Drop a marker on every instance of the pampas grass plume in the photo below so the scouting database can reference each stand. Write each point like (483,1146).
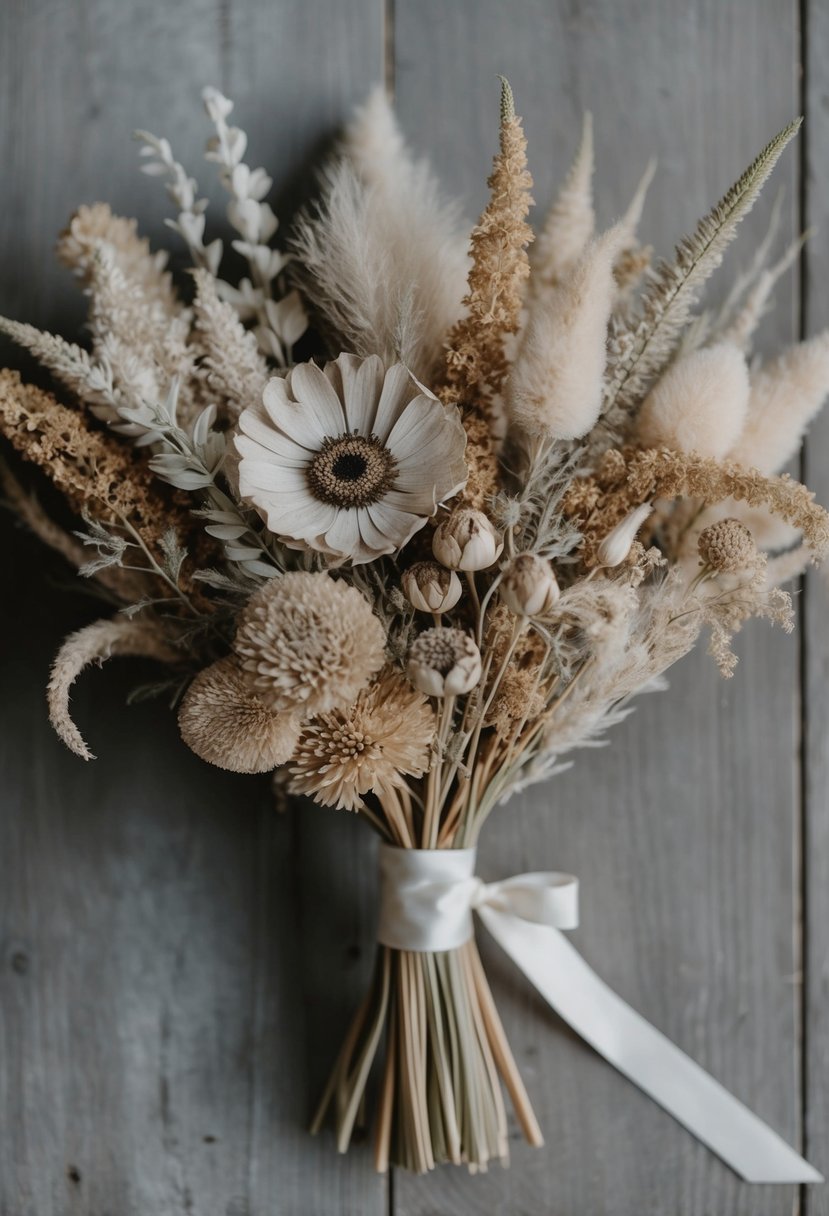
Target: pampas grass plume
(785,397)
(556,386)
(700,403)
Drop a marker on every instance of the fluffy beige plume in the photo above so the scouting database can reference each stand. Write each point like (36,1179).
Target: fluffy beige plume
(571,221)
(95,644)
(629,223)
(699,405)
(556,385)
(786,395)
(741,328)
(383,257)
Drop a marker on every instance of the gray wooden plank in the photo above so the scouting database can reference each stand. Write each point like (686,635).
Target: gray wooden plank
(177,961)
(683,831)
(816,608)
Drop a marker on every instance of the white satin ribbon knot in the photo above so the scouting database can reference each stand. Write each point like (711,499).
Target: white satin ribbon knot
(427,899)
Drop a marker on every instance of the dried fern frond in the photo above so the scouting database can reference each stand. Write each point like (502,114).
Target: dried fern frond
(642,353)
(94,644)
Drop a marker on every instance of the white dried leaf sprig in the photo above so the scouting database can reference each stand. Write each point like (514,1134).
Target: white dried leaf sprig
(279,321)
(192,459)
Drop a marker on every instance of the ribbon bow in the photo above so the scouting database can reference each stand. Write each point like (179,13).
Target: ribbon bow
(427,899)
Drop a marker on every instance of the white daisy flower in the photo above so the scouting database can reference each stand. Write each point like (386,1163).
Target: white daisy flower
(349,460)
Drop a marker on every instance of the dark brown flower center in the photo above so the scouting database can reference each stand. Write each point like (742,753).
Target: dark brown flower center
(351,471)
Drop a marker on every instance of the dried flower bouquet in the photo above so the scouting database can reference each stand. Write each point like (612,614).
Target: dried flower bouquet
(410,577)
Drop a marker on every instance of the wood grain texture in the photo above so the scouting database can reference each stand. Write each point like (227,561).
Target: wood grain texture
(176,961)
(683,831)
(816,629)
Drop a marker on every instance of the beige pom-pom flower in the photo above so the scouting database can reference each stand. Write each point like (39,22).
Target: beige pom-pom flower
(727,547)
(444,662)
(226,724)
(350,460)
(529,587)
(700,403)
(430,587)
(466,540)
(308,642)
(372,745)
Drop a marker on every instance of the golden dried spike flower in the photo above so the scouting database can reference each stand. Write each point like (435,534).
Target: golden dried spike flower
(308,642)
(224,723)
(371,746)
(727,547)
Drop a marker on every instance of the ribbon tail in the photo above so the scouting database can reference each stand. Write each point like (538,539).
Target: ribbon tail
(644,1055)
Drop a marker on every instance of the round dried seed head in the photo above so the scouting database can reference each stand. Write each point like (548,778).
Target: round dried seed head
(727,547)
(309,643)
(226,724)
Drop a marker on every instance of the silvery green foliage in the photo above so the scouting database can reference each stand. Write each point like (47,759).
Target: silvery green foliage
(191,459)
(278,321)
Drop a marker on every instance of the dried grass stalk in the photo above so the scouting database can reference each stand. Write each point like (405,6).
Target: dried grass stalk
(95,644)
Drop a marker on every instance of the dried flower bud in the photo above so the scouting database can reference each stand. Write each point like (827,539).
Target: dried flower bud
(430,587)
(727,547)
(615,547)
(444,662)
(466,540)
(529,586)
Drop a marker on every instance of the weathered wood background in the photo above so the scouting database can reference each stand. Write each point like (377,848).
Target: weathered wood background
(177,961)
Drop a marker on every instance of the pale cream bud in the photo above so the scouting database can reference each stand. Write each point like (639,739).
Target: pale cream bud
(430,587)
(529,586)
(615,547)
(443,662)
(466,540)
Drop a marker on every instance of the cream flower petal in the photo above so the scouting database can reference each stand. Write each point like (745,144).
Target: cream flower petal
(398,391)
(272,477)
(257,434)
(399,526)
(318,399)
(308,520)
(343,536)
(362,386)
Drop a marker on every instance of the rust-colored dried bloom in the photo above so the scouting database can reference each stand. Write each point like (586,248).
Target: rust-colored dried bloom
(444,662)
(226,724)
(308,642)
(727,547)
(385,736)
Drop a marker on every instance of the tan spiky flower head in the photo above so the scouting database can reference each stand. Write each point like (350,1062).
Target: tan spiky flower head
(727,547)
(308,643)
(444,662)
(224,723)
(372,745)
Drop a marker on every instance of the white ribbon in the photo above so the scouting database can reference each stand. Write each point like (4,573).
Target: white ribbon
(427,897)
